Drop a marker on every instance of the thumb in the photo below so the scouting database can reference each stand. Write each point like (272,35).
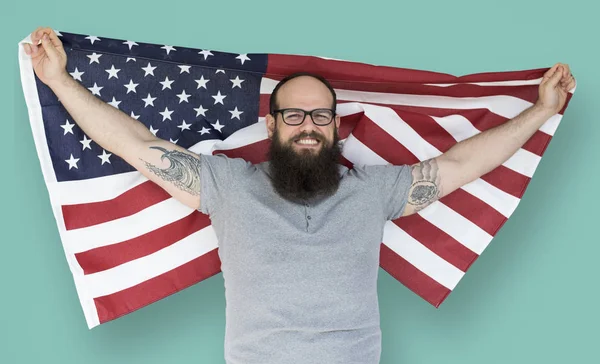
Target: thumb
(555,78)
(49,48)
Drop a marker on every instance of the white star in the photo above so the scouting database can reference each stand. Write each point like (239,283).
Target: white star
(134,116)
(237,82)
(166,114)
(104,156)
(200,111)
(168,48)
(94,57)
(131,86)
(204,130)
(72,162)
(149,70)
(130,58)
(202,82)
(96,89)
(206,53)
(112,72)
(235,113)
(184,126)
(153,131)
(184,69)
(166,83)
(68,127)
(114,103)
(76,74)
(219,98)
(149,100)
(217,126)
(92,38)
(220,70)
(173,141)
(183,97)
(243,57)
(130,43)
(86,142)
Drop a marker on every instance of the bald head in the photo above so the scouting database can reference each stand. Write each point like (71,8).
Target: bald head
(302,88)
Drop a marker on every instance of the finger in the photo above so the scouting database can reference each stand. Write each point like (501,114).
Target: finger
(36,36)
(555,78)
(49,47)
(550,72)
(54,39)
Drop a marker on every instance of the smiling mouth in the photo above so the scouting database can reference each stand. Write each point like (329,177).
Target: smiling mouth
(307,142)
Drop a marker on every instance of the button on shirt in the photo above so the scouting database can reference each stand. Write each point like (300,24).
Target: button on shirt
(300,278)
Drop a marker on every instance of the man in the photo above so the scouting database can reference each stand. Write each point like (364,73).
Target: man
(300,264)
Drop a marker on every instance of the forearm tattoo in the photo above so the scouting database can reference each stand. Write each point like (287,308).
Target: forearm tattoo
(426,184)
(183,171)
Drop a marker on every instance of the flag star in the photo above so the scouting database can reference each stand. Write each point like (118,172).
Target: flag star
(183,97)
(149,70)
(220,71)
(166,114)
(92,38)
(173,141)
(168,48)
(184,69)
(104,157)
(204,130)
(202,82)
(131,86)
(112,72)
(235,113)
(243,57)
(68,127)
(134,116)
(96,89)
(72,162)
(206,53)
(94,57)
(219,98)
(149,100)
(76,74)
(237,82)
(166,83)
(217,126)
(200,111)
(153,131)
(184,126)
(114,103)
(130,44)
(86,142)
(130,58)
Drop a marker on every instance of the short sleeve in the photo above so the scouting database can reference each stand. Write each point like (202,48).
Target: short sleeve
(393,183)
(218,176)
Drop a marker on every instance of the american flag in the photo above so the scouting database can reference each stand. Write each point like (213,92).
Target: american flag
(128,243)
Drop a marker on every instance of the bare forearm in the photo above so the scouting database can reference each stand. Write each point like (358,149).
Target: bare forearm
(111,128)
(483,152)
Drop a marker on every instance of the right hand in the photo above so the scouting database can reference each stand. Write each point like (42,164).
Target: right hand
(49,60)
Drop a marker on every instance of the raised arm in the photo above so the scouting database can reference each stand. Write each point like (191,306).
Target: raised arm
(478,155)
(172,167)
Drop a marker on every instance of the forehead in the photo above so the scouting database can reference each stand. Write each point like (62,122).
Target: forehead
(304,92)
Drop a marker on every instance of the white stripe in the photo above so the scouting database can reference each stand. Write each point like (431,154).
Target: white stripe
(356,152)
(454,224)
(142,269)
(125,228)
(503,105)
(536,81)
(501,201)
(523,162)
(419,256)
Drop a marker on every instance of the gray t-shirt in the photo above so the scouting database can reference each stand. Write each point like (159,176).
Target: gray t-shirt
(300,279)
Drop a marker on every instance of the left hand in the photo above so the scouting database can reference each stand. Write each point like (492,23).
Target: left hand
(554,88)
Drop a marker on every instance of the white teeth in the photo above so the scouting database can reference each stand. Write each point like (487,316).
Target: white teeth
(307,141)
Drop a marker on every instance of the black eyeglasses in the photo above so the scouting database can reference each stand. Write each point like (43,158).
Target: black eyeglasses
(295,117)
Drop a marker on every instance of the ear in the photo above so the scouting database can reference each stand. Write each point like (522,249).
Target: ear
(338,120)
(270,125)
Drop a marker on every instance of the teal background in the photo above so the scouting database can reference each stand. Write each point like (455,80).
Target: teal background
(530,298)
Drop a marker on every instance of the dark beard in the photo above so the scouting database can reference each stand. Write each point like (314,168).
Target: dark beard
(305,176)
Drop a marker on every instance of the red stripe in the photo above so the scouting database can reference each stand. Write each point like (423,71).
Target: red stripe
(507,180)
(436,240)
(117,304)
(475,210)
(415,280)
(110,256)
(128,203)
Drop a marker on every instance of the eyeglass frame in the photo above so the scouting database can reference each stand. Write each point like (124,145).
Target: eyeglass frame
(309,112)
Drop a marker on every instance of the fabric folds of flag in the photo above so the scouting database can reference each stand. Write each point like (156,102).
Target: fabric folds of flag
(129,244)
